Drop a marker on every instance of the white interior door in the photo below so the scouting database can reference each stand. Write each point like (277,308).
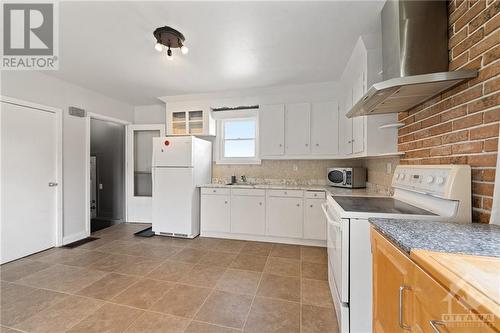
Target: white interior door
(140,154)
(29,180)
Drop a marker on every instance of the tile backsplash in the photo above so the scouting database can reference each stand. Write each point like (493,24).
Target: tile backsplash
(306,172)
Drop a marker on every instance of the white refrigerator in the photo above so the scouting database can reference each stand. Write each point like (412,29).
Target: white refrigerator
(180,165)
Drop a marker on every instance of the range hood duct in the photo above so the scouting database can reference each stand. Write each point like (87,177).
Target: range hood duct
(414,57)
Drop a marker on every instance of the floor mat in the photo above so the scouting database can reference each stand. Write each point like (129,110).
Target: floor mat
(148,232)
(81,242)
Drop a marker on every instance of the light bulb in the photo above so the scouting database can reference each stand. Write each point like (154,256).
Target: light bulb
(158,47)
(169,54)
(184,49)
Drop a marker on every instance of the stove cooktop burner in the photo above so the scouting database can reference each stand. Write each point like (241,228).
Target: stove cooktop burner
(379,206)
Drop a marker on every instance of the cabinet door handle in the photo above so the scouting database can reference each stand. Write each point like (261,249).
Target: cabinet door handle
(260,203)
(298,205)
(401,319)
(281,145)
(311,206)
(317,145)
(307,145)
(225,202)
(434,325)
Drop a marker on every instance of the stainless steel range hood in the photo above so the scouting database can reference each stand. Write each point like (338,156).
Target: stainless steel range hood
(414,56)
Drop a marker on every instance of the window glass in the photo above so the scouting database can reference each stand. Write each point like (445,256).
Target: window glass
(239,138)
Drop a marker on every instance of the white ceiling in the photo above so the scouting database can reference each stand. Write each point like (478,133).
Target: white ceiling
(108,46)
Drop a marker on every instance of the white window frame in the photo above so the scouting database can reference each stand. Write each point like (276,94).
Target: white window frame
(219,140)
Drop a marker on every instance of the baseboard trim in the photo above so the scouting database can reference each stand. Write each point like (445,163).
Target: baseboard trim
(271,239)
(75,237)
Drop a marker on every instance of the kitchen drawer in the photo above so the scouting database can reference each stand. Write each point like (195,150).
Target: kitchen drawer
(315,194)
(286,193)
(213,190)
(434,305)
(248,191)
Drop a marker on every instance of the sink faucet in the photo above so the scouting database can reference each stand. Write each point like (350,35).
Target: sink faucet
(244,179)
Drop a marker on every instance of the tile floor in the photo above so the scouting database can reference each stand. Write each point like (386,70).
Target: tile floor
(122,283)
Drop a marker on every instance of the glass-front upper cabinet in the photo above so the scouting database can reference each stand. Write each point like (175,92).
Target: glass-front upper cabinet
(191,122)
(187,122)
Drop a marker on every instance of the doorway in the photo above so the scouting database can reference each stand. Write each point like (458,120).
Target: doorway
(107,173)
(31,178)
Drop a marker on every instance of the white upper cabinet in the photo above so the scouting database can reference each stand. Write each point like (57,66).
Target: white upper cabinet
(324,128)
(272,130)
(297,129)
(358,123)
(189,118)
(345,125)
(363,136)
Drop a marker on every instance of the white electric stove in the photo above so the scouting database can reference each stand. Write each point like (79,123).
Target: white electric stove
(431,192)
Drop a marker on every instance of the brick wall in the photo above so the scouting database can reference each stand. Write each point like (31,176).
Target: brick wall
(461,125)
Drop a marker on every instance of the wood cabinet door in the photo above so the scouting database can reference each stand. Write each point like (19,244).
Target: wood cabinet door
(284,217)
(272,130)
(325,128)
(433,305)
(391,286)
(314,220)
(215,213)
(297,129)
(248,214)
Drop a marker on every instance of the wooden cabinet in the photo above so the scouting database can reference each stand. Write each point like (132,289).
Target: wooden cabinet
(391,286)
(284,217)
(272,130)
(297,129)
(248,214)
(215,212)
(314,220)
(324,128)
(406,298)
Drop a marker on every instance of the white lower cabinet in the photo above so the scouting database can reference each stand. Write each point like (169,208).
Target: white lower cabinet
(314,220)
(285,217)
(248,214)
(216,213)
(277,215)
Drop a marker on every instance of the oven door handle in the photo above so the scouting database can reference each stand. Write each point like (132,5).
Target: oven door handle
(344,177)
(324,207)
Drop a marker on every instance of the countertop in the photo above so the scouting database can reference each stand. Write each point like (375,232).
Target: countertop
(475,279)
(472,239)
(330,189)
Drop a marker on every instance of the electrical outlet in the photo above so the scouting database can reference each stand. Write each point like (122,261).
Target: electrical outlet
(388,168)
(295,167)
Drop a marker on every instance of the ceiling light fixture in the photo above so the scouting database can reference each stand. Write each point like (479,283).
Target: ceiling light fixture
(171,39)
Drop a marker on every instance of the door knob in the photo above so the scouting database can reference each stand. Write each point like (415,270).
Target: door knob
(53,184)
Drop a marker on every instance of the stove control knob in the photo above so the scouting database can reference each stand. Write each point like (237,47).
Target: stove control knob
(403,176)
(397,175)
(439,180)
(429,179)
